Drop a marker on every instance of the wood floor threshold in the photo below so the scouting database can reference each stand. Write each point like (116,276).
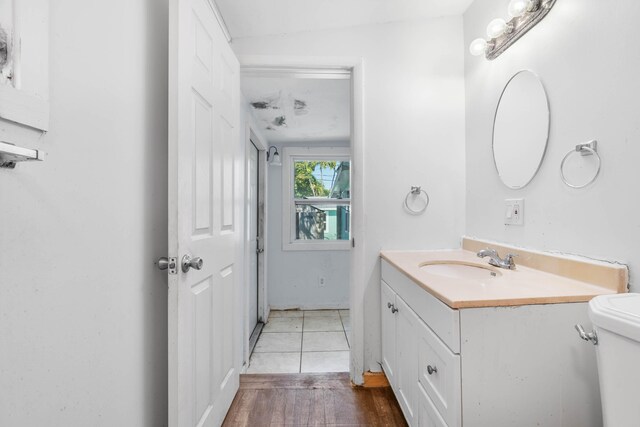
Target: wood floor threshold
(295,381)
(311,400)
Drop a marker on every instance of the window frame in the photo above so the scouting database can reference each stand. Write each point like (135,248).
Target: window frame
(289,156)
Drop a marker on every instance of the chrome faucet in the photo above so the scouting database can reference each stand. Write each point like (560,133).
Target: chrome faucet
(495,260)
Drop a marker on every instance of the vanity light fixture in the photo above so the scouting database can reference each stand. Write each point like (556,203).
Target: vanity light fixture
(518,7)
(497,27)
(275,160)
(525,14)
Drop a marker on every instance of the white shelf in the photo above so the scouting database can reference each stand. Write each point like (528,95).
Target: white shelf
(10,154)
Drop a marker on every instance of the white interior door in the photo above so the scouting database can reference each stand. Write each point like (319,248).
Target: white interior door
(204,334)
(253,237)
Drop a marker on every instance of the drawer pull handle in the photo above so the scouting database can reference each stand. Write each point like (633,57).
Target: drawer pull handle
(394,310)
(431,369)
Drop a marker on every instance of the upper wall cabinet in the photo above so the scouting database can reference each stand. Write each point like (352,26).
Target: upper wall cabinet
(520,129)
(24,62)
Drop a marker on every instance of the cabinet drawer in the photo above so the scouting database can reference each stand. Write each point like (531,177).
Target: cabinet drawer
(444,320)
(439,374)
(428,415)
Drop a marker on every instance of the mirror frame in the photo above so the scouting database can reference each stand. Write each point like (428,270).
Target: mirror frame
(493,130)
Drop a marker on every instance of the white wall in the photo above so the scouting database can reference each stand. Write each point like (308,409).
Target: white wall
(83,310)
(584,52)
(293,275)
(413,134)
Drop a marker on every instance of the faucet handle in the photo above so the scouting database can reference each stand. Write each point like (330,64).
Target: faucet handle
(509,259)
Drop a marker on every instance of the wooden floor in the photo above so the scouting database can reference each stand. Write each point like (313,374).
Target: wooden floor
(311,400)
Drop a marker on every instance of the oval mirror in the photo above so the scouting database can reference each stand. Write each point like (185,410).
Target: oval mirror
(520,129)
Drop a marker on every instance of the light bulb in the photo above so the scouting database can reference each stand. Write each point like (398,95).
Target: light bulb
(496,28)
(478,47)
(518,7)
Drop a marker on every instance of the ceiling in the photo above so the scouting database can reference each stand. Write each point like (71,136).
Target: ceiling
(299,110)
(249,18)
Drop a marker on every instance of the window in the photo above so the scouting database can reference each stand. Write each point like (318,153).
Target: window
(316,198)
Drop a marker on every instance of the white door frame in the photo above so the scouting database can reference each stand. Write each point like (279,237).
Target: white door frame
(263,308)
(357,280)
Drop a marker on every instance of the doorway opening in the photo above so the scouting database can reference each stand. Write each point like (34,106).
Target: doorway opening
(255,200)
(255,228)
(304,118)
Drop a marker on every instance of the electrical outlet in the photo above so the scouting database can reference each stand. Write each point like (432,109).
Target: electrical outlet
(514,212)
(321,281)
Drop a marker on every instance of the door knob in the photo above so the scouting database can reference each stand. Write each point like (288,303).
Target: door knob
(431,369)
(188,263)
(165,263)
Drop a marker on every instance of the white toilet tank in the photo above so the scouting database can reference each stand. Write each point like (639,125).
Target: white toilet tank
(616,321)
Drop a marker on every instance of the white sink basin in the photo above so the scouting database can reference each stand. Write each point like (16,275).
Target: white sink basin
(461,270)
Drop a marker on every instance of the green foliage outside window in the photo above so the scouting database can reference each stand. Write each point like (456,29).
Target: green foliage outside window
(306,184)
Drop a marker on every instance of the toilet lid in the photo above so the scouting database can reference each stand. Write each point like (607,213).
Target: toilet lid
(619,313)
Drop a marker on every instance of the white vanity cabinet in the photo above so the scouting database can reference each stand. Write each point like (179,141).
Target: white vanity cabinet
(486,366)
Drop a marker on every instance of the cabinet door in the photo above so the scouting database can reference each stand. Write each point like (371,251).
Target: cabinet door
(428,415)
(407,359)
(388,300)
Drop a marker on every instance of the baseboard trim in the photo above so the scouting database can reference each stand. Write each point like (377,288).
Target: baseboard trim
(375,380)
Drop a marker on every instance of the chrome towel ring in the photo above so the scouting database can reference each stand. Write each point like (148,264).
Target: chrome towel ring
(416,191)
(587,149)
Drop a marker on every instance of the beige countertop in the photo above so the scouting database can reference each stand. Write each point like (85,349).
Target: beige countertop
(522,286)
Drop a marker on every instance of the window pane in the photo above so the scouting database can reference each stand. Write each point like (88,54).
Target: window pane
(321,178)
(322,222)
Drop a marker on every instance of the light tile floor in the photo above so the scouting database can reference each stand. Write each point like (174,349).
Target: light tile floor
(295,341)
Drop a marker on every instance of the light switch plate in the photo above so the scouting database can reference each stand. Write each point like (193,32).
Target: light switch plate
(514,212)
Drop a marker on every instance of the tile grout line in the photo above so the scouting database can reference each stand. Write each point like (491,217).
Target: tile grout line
(301,344)
(344,330)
